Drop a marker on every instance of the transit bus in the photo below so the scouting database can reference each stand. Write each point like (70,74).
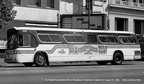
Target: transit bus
(41,46)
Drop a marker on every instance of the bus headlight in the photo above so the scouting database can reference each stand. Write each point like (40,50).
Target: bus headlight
(13,52)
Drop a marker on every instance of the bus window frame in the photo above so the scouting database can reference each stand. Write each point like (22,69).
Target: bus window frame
(23,40)
(49,38)
(81,36)
(58,36)
(74,38)
(127,39)
(116,41)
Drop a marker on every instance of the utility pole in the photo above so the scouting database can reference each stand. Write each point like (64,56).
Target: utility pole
(89,8)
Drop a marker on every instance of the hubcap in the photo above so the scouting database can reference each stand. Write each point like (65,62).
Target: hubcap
(118,59)
(40,59)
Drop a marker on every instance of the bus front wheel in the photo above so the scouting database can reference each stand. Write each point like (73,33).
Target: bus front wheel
(117,59)
(40,60)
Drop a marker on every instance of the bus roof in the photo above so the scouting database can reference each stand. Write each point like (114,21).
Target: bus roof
(47,29)
(108,31)
(72,30)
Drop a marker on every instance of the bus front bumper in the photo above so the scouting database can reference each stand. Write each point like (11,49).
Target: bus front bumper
(9,61)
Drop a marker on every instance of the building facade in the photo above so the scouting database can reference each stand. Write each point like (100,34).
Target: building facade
(122,15)
(126,15)
(36,12)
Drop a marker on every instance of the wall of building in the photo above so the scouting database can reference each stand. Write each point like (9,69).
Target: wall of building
(129,16)
(71,6)
(126,11)
(36,14)
(40,14)
(30,14)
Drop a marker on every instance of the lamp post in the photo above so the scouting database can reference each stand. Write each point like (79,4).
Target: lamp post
(89,8)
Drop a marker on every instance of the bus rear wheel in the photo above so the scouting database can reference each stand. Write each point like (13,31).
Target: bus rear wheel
(40,60)
(117,59)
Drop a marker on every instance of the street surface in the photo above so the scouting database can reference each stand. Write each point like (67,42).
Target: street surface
(131,72)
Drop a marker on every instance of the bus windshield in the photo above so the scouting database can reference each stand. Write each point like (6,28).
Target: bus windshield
(15,41)
(12,42)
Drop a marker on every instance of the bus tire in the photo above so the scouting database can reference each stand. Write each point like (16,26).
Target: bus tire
(28,64)
(117,59)
(40,60)
(102,62)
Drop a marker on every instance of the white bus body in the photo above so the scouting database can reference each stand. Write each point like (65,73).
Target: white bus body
(45,45)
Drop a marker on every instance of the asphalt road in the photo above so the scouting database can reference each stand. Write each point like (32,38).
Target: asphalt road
(76,73)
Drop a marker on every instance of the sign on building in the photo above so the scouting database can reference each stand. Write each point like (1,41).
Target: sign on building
(97,21)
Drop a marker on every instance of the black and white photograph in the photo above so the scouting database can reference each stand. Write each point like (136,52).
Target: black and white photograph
(71,41)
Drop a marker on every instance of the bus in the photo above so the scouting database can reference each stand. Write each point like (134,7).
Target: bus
(141,41)
(42,46)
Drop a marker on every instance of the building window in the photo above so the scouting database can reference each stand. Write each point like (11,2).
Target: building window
(17,2)
(35,3)
(141,1)
(50,3)
(121,24)
(139,26)
(136,1)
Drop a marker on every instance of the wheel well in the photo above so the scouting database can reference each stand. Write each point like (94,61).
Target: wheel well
(119,51)
(44,53)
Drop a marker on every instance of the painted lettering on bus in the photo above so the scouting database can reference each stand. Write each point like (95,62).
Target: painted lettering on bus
(87,49)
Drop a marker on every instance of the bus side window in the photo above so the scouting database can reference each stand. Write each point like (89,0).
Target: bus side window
(131,39)
(92,38)
(33,41)
(69,38)
(112,39)
(127,39)
(79,38)
(44,38)
(26,40)
(20,40)
(104,39)
(55,38)
(123,40)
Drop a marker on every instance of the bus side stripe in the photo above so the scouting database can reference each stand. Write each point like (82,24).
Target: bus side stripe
(25,51)
(56,47)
